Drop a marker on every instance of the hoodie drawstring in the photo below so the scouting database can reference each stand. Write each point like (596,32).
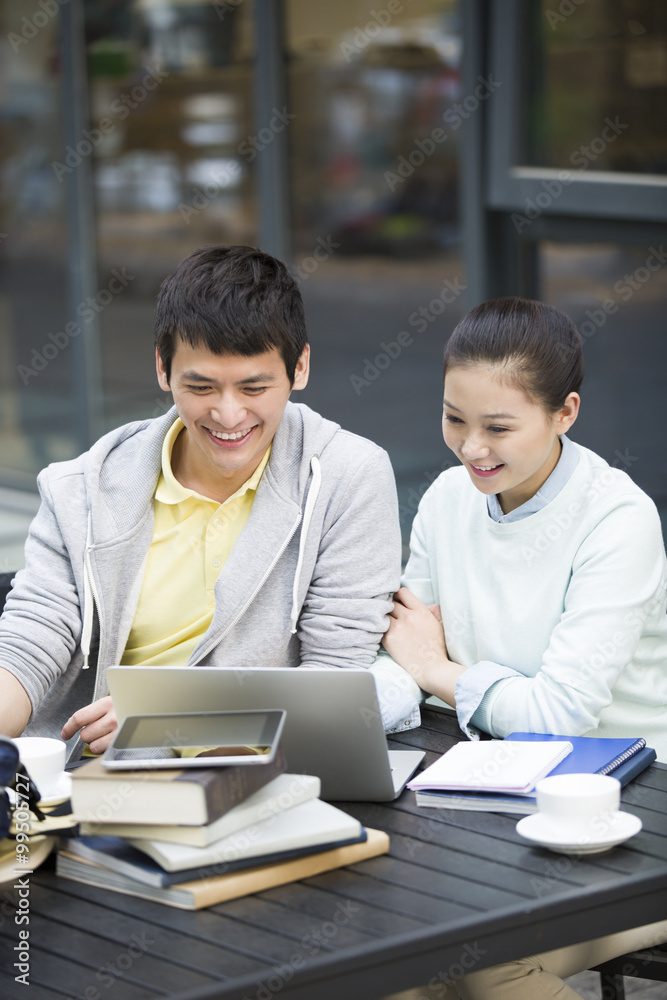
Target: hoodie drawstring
(88,600)
(307,515)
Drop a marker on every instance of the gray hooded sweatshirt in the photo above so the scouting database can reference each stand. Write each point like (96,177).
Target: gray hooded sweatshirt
(308,581)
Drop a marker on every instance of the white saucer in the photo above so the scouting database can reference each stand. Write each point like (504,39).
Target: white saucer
(58,792)
(540,830)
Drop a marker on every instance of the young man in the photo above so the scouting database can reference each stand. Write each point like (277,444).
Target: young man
(240,529)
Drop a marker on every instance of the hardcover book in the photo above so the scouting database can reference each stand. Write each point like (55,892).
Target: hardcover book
(188,796)
(284,792)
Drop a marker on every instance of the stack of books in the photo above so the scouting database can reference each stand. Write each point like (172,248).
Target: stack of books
(192,837)
(500,775)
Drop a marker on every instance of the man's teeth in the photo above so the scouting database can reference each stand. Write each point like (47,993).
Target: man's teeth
(230,437)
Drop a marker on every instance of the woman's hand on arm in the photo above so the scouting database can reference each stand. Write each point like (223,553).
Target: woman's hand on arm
(416,640)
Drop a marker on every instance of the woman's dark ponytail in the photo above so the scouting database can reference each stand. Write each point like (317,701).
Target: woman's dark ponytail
(537,345)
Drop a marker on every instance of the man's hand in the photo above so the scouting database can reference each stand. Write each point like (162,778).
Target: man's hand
(95,724)
(416,640)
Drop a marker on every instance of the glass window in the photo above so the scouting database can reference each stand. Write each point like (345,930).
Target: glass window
(597,92)
(171,109)
(374,130)
(36,367)
(377,100)
(617,296)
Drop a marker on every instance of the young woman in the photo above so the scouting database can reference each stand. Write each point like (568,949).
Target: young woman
(536,588)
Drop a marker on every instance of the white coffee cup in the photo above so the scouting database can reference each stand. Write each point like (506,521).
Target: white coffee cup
(581,806)
(44,760)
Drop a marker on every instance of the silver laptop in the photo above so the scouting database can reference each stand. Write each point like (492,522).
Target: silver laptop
(333,727)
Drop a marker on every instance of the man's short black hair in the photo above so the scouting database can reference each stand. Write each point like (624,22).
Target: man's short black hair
(231,300)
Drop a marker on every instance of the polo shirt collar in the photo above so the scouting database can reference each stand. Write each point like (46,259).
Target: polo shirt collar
(170,491)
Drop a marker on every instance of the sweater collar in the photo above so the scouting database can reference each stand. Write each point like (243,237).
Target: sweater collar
(565,466)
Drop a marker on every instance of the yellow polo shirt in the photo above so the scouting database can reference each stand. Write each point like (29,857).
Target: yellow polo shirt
(192,539)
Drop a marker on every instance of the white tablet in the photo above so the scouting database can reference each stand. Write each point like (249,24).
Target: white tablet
(196,739)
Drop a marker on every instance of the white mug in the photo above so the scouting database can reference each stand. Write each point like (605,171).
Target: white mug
(583,806)
(43,759)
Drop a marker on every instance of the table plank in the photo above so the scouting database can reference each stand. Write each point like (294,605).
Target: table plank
(513,864)
(121,929)
(67,968)
(212,925)
(372,920)
(140,959)
(304,920)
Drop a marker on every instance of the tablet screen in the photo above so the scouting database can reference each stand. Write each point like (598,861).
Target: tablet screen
(196,739)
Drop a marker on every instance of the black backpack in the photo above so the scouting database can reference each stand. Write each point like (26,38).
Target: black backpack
(13,775)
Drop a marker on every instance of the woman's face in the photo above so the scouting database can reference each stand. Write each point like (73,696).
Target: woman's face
(507,442)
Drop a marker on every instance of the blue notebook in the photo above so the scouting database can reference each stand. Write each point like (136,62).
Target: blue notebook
(592,754)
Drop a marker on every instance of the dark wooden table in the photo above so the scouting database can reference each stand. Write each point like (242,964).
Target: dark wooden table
(458,890)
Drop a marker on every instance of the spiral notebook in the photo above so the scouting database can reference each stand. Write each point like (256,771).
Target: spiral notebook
(590,754)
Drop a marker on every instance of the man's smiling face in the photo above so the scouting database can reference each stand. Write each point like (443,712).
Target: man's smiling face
(231,407)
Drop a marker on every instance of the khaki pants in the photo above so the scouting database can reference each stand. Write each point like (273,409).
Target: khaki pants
(541,976)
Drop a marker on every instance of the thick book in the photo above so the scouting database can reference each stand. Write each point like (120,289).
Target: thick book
(627,769)
(283,792)
(209,891)
(309,826)
(507,766)
(189,796)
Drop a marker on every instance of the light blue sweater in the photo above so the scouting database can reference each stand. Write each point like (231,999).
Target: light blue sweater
(560,616)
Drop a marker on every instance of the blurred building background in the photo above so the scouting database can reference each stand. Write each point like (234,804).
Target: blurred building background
(410,158)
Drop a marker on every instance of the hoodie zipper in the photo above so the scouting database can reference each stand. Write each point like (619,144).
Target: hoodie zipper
(218,639)
(91,600)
